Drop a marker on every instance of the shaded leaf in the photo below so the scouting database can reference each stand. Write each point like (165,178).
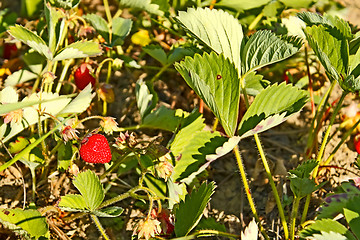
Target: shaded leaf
(352,216)
(254,83)
(210,223)
(120,29)
(157,53)
(90,188)
(31,39)
(190,211)
(29,220)
(53,20)
(109,212)
(99,24)
(264,48)
(215,80)
(80,49)
(164,118)
(146,97)
(216,29)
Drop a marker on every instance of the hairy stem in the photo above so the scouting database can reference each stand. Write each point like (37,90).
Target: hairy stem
(293,217)
(99,226)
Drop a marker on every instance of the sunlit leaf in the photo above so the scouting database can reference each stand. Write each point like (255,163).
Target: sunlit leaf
(90,188)
(80,49)
(31,39)
(156,52)
(19,76)
(78,104)
(146,5)
(277,102)
(72,203)
(240,5)
(217,29)
(331,49)
(215,80)
(327,226)
(264,48)
(29,220)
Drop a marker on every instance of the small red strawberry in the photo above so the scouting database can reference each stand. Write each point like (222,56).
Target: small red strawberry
(10,50)
(95,149)
(357,143)
(83,76)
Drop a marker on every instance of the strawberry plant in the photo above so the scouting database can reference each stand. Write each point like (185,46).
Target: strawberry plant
(99,114)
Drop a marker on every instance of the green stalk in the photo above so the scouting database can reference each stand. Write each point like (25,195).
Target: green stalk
(273,186)
(321,151)
(159,73)
(107,11)
(33,176)
(99,226)
(209,232)
(318,116)
(268,173)
(247,189)
(293,217)
(63,74)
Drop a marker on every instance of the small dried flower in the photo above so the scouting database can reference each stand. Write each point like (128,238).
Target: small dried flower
(109,125)
(125,140)
(117,63)
(164,169)
(69,133)
(74,169)
(147,228)
(84,31)
(357,182)
(49,77)
(14,116)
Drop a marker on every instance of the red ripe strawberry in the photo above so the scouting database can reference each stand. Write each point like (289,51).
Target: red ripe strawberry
(357,143)
(10,50)
(83,76)
(95,149)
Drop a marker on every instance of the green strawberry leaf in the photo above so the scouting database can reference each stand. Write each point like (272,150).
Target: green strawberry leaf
(120,29)
(352,216)
(29,220)
(157,53)
(80,49)
(217,29)
(78,104)
(146,5)
(72,203)
(146,97)
(65,155)
(271,107)
(254,83)
(54,24)
(326,20)
(164,118)
(18,77)
(215,80)
(326,226)
(264,48)
(195,147)
(332,49)
(31,39)
(99,24)
(90,188)
(241,5)
(109,212)
(190,211)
